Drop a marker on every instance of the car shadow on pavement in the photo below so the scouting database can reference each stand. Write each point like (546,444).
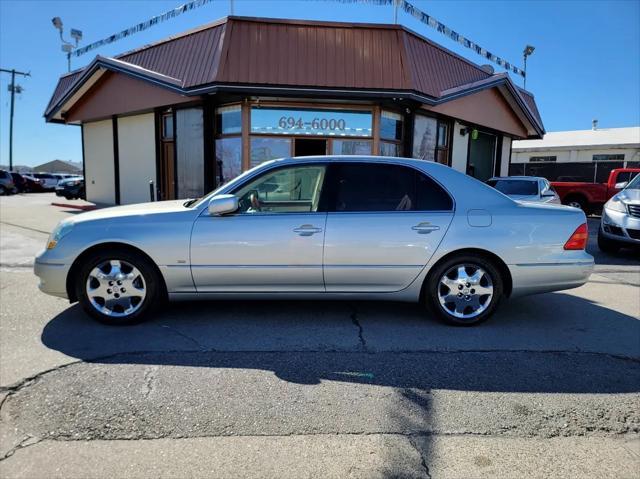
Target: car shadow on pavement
(549,344)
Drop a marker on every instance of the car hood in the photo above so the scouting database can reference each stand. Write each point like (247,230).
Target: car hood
(139,209)
(630,196)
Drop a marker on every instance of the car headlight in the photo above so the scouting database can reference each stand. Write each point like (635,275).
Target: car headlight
(59,232)
(616,204)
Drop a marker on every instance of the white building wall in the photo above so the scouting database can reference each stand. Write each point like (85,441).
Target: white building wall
(459,149)
(575,155)
(506,150)
(98,162)
(137,157)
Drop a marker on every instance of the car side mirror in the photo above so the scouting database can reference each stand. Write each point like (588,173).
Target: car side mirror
(548,194)
(223,204)
(621,185)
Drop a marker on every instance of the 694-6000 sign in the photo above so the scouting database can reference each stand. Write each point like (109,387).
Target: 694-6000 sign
(322,124)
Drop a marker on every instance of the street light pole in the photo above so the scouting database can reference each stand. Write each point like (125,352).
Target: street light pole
(528,50)
(13,88)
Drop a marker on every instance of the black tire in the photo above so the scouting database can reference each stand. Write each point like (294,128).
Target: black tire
(607,245)
(151,278)
(3,191)
(578,202)
(432,288)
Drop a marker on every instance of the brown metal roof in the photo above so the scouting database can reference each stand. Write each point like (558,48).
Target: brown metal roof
(273,52)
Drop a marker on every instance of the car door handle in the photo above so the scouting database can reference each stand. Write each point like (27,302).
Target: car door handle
(307,230)
(425,228)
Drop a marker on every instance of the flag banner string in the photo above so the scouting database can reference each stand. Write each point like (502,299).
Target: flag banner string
(456,37)
(408,8)
(143,25)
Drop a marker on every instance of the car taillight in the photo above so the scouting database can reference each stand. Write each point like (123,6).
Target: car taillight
(578,239)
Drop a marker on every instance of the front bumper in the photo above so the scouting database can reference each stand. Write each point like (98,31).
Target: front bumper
(618,226)
(546,277)
(53,277)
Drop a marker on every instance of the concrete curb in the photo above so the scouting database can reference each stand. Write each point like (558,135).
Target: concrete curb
(77,207)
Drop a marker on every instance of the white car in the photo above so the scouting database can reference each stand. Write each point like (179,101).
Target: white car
(526,188)
(620,223)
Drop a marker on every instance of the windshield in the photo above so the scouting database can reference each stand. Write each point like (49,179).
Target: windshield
(515,187)
(634,184)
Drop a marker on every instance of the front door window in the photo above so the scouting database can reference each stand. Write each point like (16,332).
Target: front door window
(284,190)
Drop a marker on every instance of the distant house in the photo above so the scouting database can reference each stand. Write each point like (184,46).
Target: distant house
(58,166)
(580,155)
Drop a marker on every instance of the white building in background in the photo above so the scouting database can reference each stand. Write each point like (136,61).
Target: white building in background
(581,155)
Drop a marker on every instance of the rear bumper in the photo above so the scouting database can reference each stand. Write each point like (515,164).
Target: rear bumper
(545,277)
(53,277)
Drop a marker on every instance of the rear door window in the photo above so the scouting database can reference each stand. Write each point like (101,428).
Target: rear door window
(372,187)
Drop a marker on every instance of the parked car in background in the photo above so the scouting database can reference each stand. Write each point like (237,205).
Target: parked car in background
(33,185)
(71,188)
(19,182)
(49,180)
(525,188)
(620,222)
(590,197)
(323,228)
(7,186)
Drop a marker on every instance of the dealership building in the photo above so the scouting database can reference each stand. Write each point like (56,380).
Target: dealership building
(194,110)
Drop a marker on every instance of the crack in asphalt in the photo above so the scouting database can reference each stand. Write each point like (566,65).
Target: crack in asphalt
(27,441)
(149,380)
(185,336)
(356,322)
(423,459)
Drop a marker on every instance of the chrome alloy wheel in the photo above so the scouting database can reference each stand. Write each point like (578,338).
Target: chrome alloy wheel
(465,291)
(116,288)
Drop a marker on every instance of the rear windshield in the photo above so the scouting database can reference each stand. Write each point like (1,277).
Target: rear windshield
(515,187)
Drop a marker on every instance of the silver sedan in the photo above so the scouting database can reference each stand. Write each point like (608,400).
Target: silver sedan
(321,227)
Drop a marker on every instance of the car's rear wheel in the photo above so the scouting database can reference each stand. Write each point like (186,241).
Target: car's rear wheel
(118,287)
(464,290)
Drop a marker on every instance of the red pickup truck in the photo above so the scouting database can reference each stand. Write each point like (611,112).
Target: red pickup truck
(591,196)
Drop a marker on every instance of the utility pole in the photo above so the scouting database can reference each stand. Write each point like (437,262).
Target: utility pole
(396,4)
(13,88)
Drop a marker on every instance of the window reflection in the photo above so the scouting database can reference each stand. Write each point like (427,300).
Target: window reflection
(264,149)
(351,147)
(424,137)
(228,158)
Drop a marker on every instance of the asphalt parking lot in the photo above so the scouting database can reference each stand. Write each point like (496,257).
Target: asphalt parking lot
(548,387)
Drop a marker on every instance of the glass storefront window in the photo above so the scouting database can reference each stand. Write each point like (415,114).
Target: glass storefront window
(390,125)
(424,137)
(443,137)
(351,147)
(228,158)
(264,149)
(310,121)
(228,120)
(390,149)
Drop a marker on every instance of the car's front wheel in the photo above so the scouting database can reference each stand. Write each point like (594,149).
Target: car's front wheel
(118,287)
(464,290)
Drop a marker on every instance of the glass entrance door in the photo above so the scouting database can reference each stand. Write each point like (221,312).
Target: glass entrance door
(482,155)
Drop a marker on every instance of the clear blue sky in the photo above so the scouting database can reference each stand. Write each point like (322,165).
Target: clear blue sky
(586,64)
